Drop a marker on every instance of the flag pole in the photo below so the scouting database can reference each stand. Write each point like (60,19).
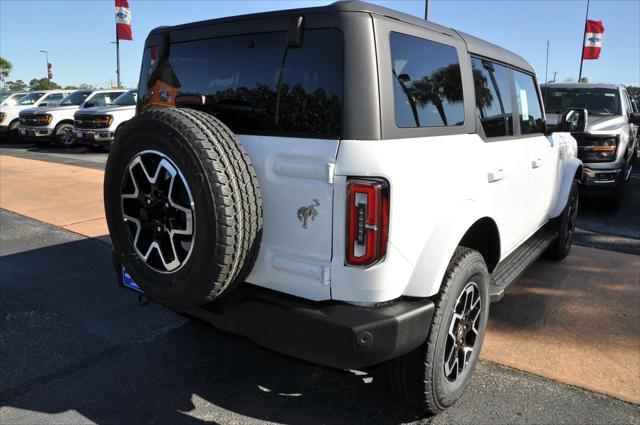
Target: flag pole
(584,34)
(118,61)
(546,73)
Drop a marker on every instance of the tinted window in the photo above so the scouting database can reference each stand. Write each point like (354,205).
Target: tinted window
(75,98)
(30,98)
(241,80)
(427,85)
(597,101)
(529,109)
(493,97)
(127,99)
(54,98)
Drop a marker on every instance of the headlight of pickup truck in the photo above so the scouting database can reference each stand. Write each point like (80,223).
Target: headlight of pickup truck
(43,119)
(2,116)
(598,149)
(103,121)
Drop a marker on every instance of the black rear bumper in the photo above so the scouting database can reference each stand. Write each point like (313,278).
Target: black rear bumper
(329,333)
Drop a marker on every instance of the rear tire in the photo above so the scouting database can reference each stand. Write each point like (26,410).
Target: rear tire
(13,136)
(426,378)
(213,183)
(565,224)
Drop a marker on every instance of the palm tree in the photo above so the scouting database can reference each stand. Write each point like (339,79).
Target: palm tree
(5,69)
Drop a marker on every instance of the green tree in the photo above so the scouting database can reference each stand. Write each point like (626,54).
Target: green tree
(71,88)
(17,85)
(42,84)
(5,68)
(584,80)
(85,86)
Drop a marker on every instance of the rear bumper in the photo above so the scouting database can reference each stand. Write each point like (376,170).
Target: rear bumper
(329,333)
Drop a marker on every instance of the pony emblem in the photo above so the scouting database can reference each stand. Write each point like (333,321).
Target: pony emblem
(311,211)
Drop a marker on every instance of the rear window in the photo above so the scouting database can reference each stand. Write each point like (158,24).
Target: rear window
(257,85)
(427,84)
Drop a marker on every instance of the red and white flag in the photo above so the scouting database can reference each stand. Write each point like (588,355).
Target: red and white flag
(123,20)
(593,40)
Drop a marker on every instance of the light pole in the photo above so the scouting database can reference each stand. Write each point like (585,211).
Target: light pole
(46,58)
(426,10)
(117,43)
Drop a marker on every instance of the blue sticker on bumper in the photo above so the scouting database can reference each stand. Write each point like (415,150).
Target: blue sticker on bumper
(128,281)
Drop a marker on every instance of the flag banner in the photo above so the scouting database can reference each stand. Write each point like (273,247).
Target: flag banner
(123,20)
(593,40)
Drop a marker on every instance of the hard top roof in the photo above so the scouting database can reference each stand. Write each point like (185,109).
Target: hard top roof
(474,45)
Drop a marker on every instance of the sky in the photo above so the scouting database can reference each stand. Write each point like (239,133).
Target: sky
(76,33)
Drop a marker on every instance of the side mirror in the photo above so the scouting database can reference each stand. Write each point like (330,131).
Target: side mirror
(574,121)
(43,104)
(634,118)
(89,105)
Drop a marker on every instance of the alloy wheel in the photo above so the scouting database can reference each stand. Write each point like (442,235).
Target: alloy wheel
(463,332)
(158,210)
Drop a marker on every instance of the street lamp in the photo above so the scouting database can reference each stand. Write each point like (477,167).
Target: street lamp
(46,58)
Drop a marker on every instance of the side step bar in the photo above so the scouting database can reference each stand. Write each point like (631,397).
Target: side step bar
(512,267)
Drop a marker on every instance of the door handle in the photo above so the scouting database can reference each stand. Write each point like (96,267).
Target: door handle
(496,175)
(537,163)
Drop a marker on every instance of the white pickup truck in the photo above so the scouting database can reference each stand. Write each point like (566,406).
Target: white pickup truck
(96,127)
(345,184)
(9,114)
(55,123)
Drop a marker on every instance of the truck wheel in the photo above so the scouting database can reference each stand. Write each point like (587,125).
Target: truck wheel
(63,135)
(565,224)
(183,206)
(14,135)
(433,376)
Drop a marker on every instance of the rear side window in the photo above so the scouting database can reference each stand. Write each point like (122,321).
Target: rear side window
(257,85)
(492,84)
(529,109)
(427,85)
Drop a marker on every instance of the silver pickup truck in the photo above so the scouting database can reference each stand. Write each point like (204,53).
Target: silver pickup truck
(608,145)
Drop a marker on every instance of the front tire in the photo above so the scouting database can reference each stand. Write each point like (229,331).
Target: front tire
(565,224)
(433,376)
(63,135)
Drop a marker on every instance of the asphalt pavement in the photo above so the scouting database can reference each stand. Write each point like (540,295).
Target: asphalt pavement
(75,348)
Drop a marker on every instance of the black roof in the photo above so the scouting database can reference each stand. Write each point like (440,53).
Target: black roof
(474,44)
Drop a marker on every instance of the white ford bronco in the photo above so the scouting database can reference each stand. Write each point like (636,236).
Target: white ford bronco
(345,184)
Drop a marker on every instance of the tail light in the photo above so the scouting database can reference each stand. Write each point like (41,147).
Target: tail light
(367,221)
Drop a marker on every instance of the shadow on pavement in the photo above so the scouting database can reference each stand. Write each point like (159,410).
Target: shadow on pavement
(73,343)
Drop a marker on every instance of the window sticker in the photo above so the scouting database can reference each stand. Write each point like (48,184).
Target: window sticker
(524,105)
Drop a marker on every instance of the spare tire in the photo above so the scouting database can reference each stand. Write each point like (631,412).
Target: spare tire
(183,206)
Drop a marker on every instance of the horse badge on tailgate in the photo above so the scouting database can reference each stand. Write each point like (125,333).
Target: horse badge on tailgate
(311,211)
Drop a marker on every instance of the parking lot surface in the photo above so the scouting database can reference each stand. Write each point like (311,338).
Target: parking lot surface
(77,349)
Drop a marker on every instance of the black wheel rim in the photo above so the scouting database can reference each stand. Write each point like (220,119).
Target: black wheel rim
(158,211)
(463,333)
(572,217)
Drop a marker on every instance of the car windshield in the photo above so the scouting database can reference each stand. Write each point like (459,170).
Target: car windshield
(598,101)
(127,99)
(75,98)
(30,98)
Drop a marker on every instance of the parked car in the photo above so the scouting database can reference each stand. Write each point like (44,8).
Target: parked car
(96,127)
(44,125)
(9,114)
(345,184)
(608,145)
(10,99)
